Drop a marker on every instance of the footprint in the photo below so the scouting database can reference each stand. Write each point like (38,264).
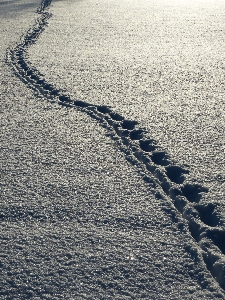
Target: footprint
(34,77)
(25,68)
(116,116)
(128,124)
(207,214)
(147,145)
(194,229)
(216,266)
(125,133)
(65,98)
(136,134)
(176,174)
(54,93)
(103,109)
(180,202)
(23,65)
(41,82)
(219,270)
(193,192)
(81,103)
(49,87)
(20,61)
(160,158)
(217,236)
(29,72)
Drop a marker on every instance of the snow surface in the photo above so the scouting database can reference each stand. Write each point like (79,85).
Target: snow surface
(123,202)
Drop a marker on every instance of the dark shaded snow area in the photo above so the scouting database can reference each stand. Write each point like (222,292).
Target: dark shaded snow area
(95,204)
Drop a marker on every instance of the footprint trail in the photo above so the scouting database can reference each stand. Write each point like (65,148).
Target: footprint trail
(153,163)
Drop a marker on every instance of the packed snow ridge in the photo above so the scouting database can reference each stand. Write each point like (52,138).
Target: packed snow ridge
(153,163)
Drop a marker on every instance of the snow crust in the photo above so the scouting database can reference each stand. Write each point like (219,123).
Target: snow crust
(77,219)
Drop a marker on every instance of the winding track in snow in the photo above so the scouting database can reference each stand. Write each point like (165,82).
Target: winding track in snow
(152,162)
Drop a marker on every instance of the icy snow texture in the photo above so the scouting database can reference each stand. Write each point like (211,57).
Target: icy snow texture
(81,220)
(158,62)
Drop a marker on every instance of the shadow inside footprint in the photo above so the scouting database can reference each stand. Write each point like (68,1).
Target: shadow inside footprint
(81,103)
(125,133)
(160,158)
(176,174)
(128,124)
(29,72)
(207,214)
(116,116)
(41,82)
(65,98)
(147,145)
(49,87)
(136,134)
(54,93)
(180,203)
(218,238)
(103,109)
(217,270)
(193,192)
(194,229)
(34,77)
(23,65)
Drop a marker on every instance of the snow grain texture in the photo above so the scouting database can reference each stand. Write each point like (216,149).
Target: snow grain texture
(153,163)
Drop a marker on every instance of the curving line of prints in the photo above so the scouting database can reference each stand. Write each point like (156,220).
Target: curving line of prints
(152,162)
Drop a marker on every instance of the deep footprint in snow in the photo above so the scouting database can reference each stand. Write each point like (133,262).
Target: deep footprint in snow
(147,145)
(160,158)
(116,116)
(103,109)
(128,124)
(176,174)
(64,98)
(207,214)
(217,236)
(193,192)
(136,134)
